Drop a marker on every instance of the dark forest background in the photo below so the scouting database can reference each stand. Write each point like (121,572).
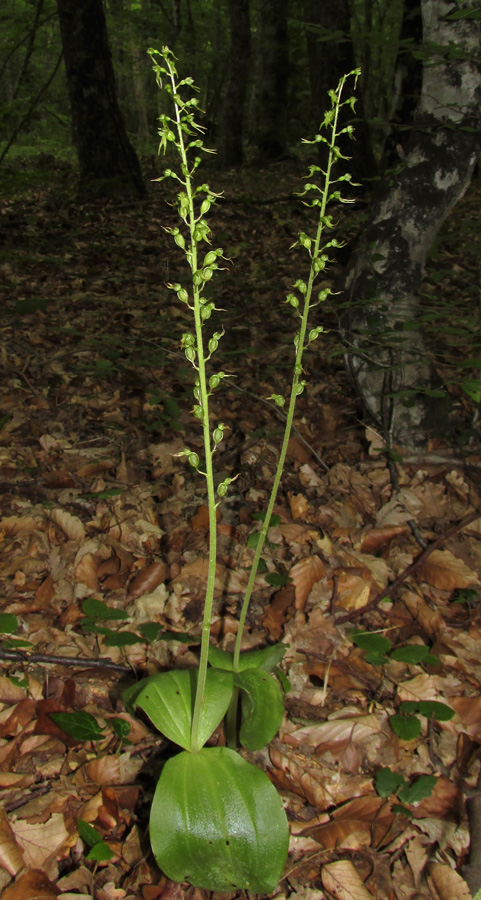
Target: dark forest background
(76,87)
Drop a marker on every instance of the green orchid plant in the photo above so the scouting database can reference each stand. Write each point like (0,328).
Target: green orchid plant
(216,820)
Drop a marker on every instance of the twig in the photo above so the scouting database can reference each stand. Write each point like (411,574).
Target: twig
(387,592)
(79,661)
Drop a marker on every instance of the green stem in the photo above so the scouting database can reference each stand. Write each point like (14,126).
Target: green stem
(204,404)
(293,395)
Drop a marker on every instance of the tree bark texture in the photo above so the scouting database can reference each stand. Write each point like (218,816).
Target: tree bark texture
(232,121)
(385,353)
(271,79)
(108,164)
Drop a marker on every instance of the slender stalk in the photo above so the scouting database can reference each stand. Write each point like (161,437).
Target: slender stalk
(295,387)
(203,401)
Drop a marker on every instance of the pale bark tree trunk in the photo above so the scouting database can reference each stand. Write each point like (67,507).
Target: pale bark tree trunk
(108,164)
(232,120)
(271,79)
(384,347)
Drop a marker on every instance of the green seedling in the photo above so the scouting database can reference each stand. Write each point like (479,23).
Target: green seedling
(84,727)
(8,627)
(167,414)
(97,612)
(405,722)
(216,820)
(465,597)
(388,782)
(100,850)
(378,650)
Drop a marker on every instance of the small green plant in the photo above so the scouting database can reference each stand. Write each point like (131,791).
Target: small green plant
(405,722)
(216,820)
(8,627)
(378,652)
(99,849)
(388,782)
(82,726)
(96,613)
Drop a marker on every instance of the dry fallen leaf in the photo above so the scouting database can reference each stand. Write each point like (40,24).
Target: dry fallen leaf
(445,571)
(148,579)
(342,880)
(32,885)
(304,575)
(449,885)
(71,526)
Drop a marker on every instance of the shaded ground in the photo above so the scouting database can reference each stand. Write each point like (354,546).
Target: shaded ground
(95,401)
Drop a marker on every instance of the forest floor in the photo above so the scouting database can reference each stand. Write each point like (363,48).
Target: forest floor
(95,402)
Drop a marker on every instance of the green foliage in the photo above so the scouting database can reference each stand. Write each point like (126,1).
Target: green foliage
(217,821)
(100,850)
(8,626)
(81,725)
(388,782)
(405,722)
(378,650)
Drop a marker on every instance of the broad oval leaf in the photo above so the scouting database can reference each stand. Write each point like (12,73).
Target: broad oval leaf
(218,822)
(387,782)
(168,699)
(367,640)
(414,654)
(8,623)
(406,727)
(262,708)
(432,709)
(267,658)
(81,725)
(419,789)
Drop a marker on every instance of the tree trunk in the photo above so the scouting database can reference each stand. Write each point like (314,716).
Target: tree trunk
(232,121)
(271,79)
(108,164)
(384,347)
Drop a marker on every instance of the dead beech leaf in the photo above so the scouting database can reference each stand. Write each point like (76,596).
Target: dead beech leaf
(423,687)
(353,591)
(94,468)
(343,880)
(10,853)
(376,538)
(336,731)
(447,572)
(275,617)
(16,524)
(71,526)
(298,505)
(86,572)
(10,693)
(449,885)
(113,769)
(41,840)
(298,452)
(304,575)
(45,593)
(33,885)
(468,711)
(148,579)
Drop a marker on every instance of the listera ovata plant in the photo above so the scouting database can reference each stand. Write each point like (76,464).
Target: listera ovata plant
(216,820)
